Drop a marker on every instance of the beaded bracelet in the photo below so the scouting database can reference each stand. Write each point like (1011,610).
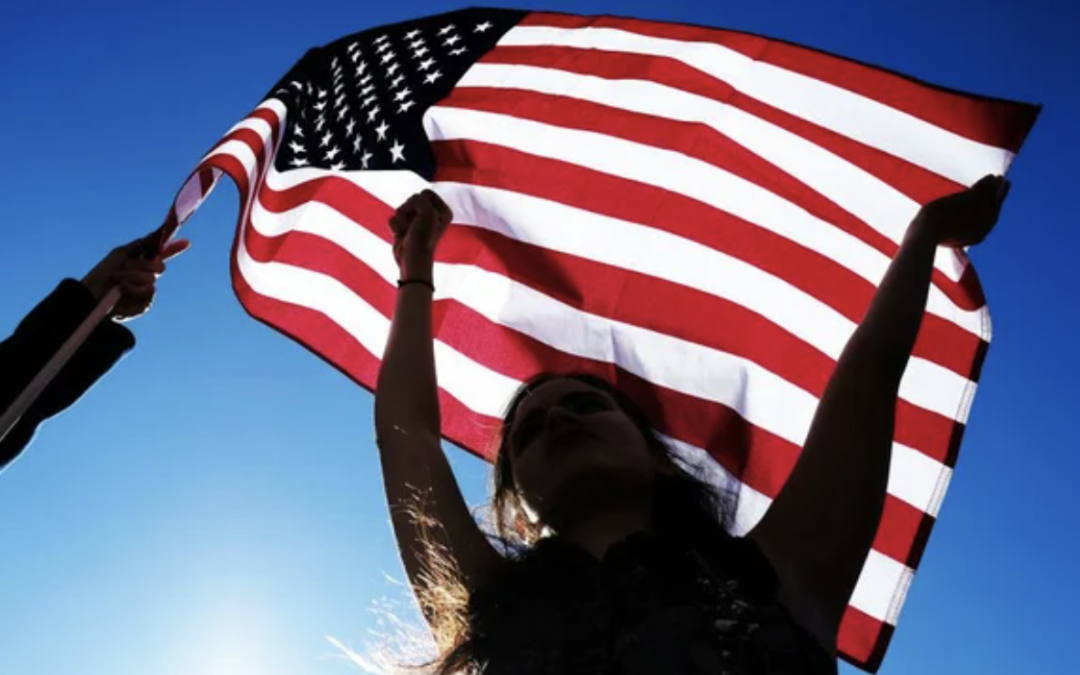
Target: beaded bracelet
(423,282)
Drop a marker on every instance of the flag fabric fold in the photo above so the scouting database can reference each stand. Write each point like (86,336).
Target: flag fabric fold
(701,216)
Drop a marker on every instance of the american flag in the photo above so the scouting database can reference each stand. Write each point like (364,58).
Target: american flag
(700,215)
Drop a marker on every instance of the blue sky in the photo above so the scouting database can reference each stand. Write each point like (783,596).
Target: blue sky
(214,506)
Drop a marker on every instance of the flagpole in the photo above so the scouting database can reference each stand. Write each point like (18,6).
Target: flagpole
(37,385)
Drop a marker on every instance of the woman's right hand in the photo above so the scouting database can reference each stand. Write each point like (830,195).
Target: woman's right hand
(418,224)
(966,217)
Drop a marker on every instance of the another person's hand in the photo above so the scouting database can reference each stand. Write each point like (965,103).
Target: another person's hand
(418,224)
(965,218)
(134,268)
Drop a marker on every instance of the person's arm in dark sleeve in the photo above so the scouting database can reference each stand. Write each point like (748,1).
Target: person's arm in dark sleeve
(35,341)
(51,323)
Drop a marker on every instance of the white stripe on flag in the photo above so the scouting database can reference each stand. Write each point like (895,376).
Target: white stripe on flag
(881,588)
(917,479)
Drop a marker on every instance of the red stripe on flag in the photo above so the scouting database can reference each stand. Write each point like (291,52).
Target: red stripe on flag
(863,639)
(900,527)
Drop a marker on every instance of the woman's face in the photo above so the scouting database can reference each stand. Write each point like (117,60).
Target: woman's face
(571,447)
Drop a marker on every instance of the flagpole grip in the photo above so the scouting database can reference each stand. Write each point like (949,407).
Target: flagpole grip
(37,385)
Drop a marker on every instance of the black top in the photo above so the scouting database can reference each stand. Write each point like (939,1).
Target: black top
(36,340)
(655,605)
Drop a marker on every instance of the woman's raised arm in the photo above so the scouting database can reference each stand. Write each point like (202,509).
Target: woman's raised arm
(819,530)
(420,486)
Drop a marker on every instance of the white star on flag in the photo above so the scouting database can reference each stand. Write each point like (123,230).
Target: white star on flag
(483,27)
(382,129)
(397,152)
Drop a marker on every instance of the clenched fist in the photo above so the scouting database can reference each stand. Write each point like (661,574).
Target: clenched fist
(418,224)
(965,218)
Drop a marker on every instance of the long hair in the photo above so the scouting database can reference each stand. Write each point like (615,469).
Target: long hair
(683,503)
